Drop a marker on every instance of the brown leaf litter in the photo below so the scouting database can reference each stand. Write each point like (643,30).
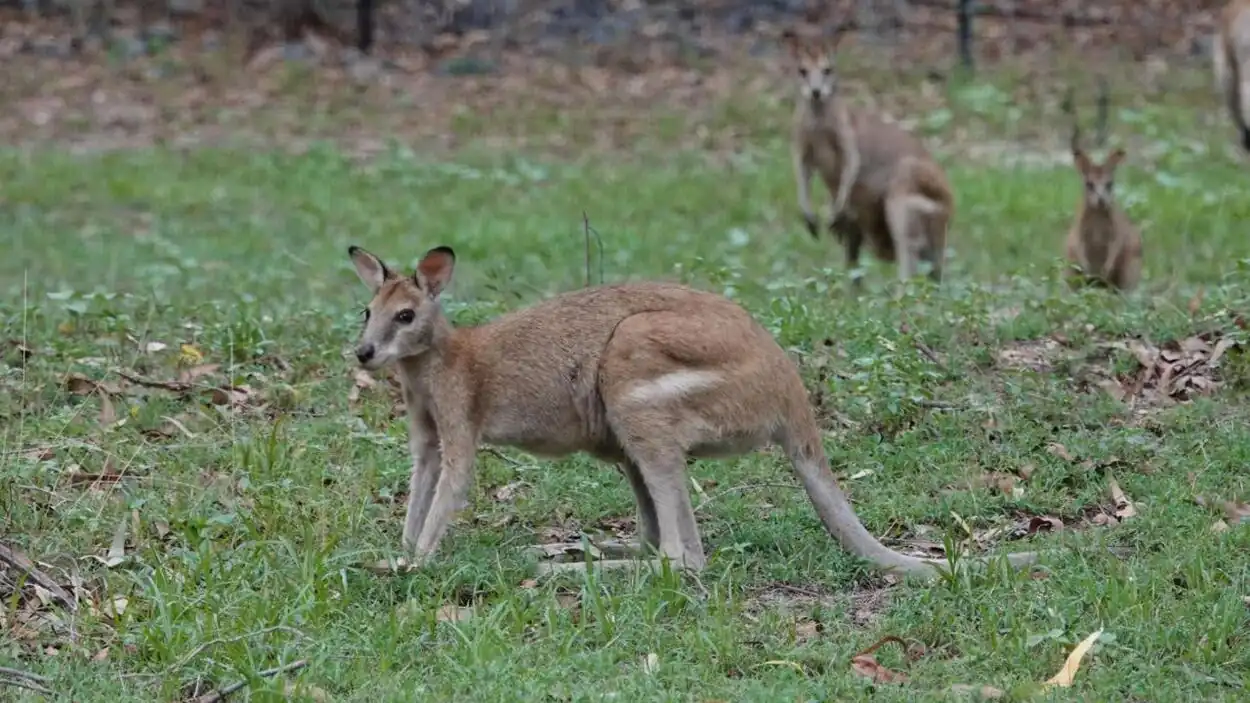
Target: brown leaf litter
(866,665)
(1175,371)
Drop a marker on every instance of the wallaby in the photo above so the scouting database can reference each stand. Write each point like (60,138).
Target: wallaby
(886,187)
(1230,54)
(641,374)
(1102,243)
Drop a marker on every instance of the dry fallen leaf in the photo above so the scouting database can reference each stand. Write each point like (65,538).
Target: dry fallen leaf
(806,630)
(191,374)
(188,355)
(1219,526)
(1195,303)
(453,613)
(1070,665)
(361,380)
(1044,523)
(1123,506)
(866,665)
(108,415)
(505,494)
(650,663)
(117,548)
(1060,451)
(301,691)
(101,655)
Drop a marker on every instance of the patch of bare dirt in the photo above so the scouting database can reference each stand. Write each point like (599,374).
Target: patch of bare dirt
(863,605)
(1038,355)
(438,68)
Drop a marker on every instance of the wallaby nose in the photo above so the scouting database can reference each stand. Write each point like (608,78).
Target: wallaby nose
(364,353)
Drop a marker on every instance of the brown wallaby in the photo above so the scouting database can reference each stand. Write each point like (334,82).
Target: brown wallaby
(1103,244)
(886,188)
(641,374)
(1230,54)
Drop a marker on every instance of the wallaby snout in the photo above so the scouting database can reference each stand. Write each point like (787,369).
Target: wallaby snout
(365,353)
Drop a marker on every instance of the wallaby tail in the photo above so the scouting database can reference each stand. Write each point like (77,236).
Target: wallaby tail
(801,442)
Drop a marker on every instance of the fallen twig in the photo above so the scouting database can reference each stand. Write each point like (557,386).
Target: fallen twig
(21,562)
(503,457)
(221,693)
(929,354)
(20,674)
(28,685)
(743,487)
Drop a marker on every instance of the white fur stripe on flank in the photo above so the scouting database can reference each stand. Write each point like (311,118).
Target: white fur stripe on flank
(672,385)
(922,204)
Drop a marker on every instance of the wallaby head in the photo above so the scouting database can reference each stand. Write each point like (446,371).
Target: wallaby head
(1099,178)
(404,315)
(813,60)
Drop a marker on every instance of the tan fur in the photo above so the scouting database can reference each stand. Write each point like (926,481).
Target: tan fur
(1103,244)
(641,374)
(1231,64)
(885,186)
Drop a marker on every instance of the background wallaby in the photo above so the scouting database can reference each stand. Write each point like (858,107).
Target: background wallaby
(642,374)
(1103,242)
(886,187)
(1231,62)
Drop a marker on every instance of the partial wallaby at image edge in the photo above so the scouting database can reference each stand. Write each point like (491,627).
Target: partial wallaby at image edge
(643,375)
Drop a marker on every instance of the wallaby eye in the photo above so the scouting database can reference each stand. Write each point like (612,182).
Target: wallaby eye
(405,316)
(365,313)
(803,71)
(827,71)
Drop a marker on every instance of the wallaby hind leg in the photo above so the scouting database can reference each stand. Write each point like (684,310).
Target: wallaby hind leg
(899,217)
(851,235)
(648,524)
(663,472)
(934,251)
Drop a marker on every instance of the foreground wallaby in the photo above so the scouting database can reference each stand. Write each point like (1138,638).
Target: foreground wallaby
(642,374)
(1231,62)
(885,186)
(1102,243)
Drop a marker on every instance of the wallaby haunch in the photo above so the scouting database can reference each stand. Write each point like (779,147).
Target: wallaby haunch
(641,374)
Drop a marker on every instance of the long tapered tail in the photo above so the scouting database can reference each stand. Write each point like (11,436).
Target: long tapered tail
(840,519)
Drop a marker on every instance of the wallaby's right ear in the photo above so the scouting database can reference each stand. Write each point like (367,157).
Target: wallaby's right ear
(434,270)
(369,267)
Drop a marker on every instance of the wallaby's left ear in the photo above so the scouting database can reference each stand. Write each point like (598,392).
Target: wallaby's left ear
(369,267)
(435,269)
(1114,159)
(790,39)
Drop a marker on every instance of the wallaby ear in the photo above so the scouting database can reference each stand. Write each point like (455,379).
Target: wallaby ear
(1114,159)
(369,267)
(1080,159)
(790,39)
(434,270)
(834,40)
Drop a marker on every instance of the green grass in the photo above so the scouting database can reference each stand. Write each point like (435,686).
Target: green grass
(244,529)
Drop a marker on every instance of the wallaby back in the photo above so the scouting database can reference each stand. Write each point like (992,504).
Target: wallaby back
(642,374)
